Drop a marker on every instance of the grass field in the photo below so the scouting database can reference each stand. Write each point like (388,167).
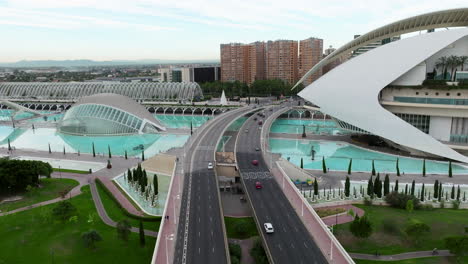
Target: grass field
(70,171)
(32,237)
(249,229)
(116,213)
(443,223)
(50,189)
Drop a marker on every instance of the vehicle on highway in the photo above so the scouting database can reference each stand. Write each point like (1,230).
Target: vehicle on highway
(247,131)
(268,228)
(260,122)
(257,149)
(258,185)
(255,162)
(210,166)
(255,119)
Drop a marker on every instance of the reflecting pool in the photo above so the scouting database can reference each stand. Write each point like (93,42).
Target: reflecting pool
(182,121)
(295,126)
(338,154)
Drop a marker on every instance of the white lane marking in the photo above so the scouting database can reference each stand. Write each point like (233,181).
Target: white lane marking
(305,245)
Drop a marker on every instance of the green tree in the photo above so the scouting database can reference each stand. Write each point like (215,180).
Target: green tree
(373,168)
(416,230)
(324,165)
(452,193)
(347,186)
(63,211)
(398,167)
(258,253)
(350,166)
(142,235)
(409,206)
(316,190)
(406,189)
(370,187)
(458,193)
(109,151)
(450,169)
(440,191)
(126,157)
(90,238)
(94,151)
(191,128)
(123,229)
(424,168)
(378,186)
(63,150)
(50,151)
(386,185)
(457,245)
(302,163)
(436,189)
(303,131)
(422,193)
(413,187)
(361,227)
(396,186)
(155,184)
(143,155)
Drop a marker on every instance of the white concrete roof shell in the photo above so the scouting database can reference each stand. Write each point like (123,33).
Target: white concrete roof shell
(440,19)
(350,91)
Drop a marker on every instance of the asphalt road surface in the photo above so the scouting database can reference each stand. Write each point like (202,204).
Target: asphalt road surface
(290,242)
(203,239)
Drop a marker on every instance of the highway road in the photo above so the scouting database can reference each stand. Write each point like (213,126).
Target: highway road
(291,242)
(200,235)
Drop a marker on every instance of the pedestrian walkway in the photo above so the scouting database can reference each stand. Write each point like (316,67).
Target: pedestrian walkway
(403,256)
(343,217)
(246,245)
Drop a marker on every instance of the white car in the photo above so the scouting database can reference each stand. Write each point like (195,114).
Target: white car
(210,166)
(268,228)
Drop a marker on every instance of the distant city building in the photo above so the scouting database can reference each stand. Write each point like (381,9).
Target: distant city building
(199,74)
(280,59)
(372,45)
(310,53)
(334,63)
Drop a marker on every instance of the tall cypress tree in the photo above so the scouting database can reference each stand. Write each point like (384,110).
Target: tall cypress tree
(398,167)
(94,151)
(441,191)
(155,184)
(458,193)
(50,151)
(9,146)
(386,185)
(109,151)
(424,168)
(406,189)
(373,168)
(347,186)
(142,234)
(376,183)
(191,128)
(302,163)
(396,186)
(349,166)
(324,165)
(413,187)
(126,157)
(303,131)
(452,194)
(143,155)
(129,175)
(370,187)
(450,169)
(63,150)
(436,189)
(422,193)
(316,190)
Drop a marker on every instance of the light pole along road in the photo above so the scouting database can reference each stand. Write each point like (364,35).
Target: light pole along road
(200,233)
(290,242)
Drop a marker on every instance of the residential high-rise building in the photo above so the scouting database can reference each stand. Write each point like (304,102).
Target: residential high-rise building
(281,60)
(310,53)
(233,62)
(256,62)
(328,67)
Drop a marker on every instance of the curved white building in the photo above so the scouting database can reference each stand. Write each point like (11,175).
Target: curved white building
(351,91)
(108,114)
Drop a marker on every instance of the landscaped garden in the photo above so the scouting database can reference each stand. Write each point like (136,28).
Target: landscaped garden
(395,230)
(117,213)
(42,235)
(48,189)
(240,227)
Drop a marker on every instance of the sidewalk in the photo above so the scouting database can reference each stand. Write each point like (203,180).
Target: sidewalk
(403,256)
(343,217)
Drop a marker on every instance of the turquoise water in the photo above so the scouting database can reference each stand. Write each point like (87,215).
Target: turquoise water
(182,121)
(295,126)
(237,124)
(338,154)
(5,115)
(40,138)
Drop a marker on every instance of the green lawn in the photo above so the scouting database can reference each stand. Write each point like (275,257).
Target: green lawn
(430,260)
(116,213)
(31,237)
(70,171)
(443,223)
(50,189)
(240,228)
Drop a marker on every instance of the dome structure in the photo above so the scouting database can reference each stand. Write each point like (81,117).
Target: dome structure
(108,114)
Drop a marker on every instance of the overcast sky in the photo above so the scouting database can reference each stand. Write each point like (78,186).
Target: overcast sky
(184,29)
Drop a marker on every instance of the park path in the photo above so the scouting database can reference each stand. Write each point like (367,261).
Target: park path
(342,217)
(105,217)
(73,192)
(403,256)
(246,245)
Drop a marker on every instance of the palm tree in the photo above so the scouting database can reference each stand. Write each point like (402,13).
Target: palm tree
(463,60)
(453,62)
(442,63)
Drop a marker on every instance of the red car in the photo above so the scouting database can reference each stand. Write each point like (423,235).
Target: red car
(255,162)
(260,122)
(258,185)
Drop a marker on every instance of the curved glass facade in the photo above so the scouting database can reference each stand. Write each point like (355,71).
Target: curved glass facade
(96,119)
